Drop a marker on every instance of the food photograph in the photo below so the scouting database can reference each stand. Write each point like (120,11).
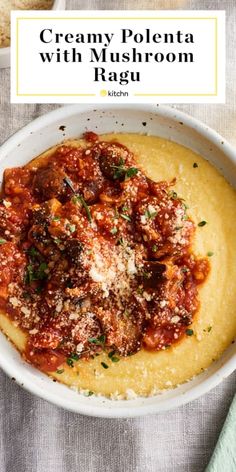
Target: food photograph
(118,271)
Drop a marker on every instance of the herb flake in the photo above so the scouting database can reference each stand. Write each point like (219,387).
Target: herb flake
(59,371)
(131,172)
(210,253)
(173,195)
(79,198)
(150,215)
(189,332)
(120,171)
(112,356)
(125,217)
(70,360)
(98,341)
(72,228)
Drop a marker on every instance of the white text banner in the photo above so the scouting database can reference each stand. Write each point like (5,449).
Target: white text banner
(118,56)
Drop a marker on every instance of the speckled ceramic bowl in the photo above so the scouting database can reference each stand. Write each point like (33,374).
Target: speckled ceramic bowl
(162,121)
(5,53)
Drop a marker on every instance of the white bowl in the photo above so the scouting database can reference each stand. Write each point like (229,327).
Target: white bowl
(162,121)
(5,53)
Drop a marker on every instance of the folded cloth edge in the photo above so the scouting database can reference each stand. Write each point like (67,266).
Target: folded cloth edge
(224,455)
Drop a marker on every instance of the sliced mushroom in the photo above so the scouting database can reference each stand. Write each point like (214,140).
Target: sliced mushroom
(73,251)
(153,273)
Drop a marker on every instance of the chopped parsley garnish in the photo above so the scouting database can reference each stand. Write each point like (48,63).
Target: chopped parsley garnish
(173,195)
(202,223)
(30,275)
(115,359)
(150,214)
(75,199)
(74,356)
(125,217)
(111,354)
(195,165)
(98,341)
(89,393)
(154,248)
(72,228)
(41,273)
(114,230)
(116,214)
(56,218)
(57,240)
(70,360)
(2,241)
(79,198)
(210,253)
(104,365)
(59,371)
(208,329)
(131,172)
(121,242)
(33,252)
(36,273)
(189,332)
(112,357)
(120,171)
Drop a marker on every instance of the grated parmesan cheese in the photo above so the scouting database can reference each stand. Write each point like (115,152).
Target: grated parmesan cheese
(14,301)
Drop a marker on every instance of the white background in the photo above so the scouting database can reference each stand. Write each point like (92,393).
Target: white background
(42,82)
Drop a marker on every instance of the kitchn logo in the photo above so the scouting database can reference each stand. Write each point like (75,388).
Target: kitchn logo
(113,93)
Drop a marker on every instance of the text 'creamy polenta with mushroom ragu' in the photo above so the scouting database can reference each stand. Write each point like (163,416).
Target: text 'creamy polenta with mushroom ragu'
(114,255)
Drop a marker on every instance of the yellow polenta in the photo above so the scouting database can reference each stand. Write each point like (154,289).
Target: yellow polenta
(209,198)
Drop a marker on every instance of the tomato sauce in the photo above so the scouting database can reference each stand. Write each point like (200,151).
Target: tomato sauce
(95,256)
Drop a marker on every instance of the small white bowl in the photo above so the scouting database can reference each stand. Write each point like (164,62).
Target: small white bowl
(5,53)
(161,121)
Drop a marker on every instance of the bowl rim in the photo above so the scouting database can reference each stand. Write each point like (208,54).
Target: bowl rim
(10,366)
